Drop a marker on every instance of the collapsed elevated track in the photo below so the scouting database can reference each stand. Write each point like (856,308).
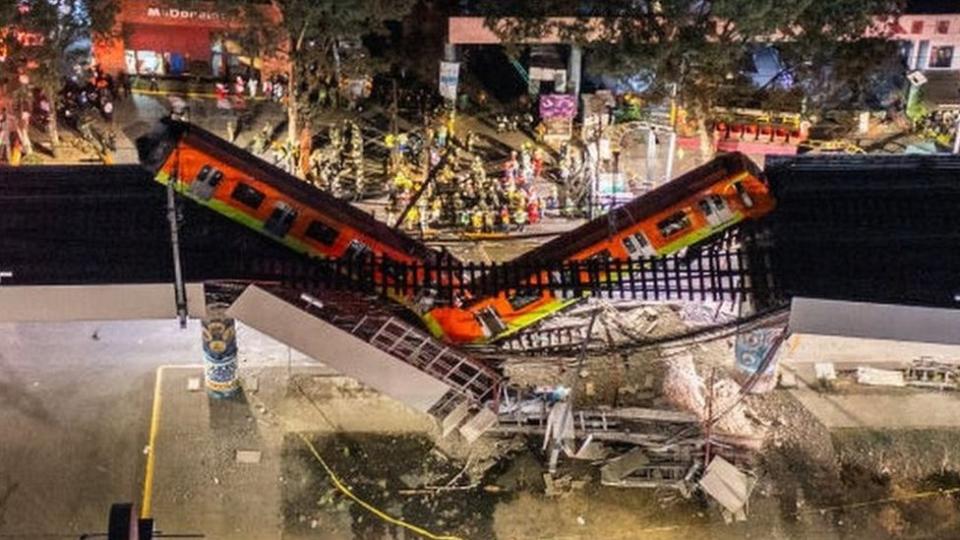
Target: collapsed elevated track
(866,228)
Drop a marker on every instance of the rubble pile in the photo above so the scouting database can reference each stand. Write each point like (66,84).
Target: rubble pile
(728,414)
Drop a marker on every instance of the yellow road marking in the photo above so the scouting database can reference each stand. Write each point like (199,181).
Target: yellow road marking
(151,446)
(145,506)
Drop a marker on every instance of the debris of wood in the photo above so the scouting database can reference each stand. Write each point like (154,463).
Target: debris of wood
(686,390)
(476,426)
(879,377)
(825,371)
(619,468)
(591,450)
(454,418)
(788,379)
(434,490)
(248,456)
(729,486)
(561,487)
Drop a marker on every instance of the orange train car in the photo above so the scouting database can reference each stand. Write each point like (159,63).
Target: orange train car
(265,198)
(681,213)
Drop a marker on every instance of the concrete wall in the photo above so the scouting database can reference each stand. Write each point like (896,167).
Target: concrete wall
(96,302)
(337,349)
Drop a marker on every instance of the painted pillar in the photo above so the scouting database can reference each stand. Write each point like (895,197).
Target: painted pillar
(220,352)
(574,64)
(756,358)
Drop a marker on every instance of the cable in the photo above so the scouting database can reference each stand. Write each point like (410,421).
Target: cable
(335,480)
(367,506)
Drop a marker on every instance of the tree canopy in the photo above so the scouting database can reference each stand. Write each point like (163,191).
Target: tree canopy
(41,38)
(703,45)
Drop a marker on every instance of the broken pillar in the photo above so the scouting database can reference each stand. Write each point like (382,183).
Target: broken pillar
(756,358)
(220,352)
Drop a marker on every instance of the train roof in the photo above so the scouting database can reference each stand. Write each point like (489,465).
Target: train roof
(155,149)
(672,192)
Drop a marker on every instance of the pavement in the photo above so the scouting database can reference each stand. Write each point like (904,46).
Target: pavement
(76,408)
(74,413)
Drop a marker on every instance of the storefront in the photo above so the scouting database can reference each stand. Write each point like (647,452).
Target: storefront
(156,40)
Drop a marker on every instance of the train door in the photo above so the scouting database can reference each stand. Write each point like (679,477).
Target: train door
(637,245)
(280,220)
(205,183)
(491,322)
(715,210)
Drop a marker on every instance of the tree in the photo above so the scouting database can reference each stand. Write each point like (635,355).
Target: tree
(700,45)
(43,31)
(319,41)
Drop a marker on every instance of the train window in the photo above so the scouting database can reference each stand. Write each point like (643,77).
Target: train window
(603,255)
(674,224)
(718,202)
(280,220)
(491,321)
(523,299)
(744,196)
(705,207)
(637,244)
(204,171)
(323,233)
(356,249)
(248,195)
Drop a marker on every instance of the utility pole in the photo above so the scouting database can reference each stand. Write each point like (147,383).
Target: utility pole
(672,142)
(394,111)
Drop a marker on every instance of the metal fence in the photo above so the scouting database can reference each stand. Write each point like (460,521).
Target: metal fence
(710,275)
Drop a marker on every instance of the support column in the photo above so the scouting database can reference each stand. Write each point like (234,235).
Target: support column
(671,155)
(449,52)
(574,65)
(651,156)
(220,352)
(756,358)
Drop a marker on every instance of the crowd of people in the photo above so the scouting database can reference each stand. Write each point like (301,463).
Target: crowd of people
(941,124)
(462,192)
(339,167)
(14,136)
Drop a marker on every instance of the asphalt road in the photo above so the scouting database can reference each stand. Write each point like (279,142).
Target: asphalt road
(74,413)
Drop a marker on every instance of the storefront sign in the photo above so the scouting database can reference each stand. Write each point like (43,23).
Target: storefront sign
(558,106)
(184,14)
(449,77)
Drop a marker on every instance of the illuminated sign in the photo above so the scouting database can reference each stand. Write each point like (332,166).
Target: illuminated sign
(184,14)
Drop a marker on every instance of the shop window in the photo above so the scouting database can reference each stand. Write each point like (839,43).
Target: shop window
(943,27)
(916,27)
(247,195)
(941,57)
(149,63)
(674,224)
(323,233)
(130,61)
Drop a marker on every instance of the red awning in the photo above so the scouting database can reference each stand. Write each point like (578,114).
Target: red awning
(191,41)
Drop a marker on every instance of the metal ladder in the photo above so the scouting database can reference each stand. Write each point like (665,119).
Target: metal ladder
(404,342)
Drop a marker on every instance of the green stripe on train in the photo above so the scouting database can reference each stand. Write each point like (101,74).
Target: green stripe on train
(240,217)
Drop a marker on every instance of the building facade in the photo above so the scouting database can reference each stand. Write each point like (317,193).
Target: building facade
(929,33)
(152,38)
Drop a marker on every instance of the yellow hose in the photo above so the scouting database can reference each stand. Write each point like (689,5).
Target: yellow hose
(369,507)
